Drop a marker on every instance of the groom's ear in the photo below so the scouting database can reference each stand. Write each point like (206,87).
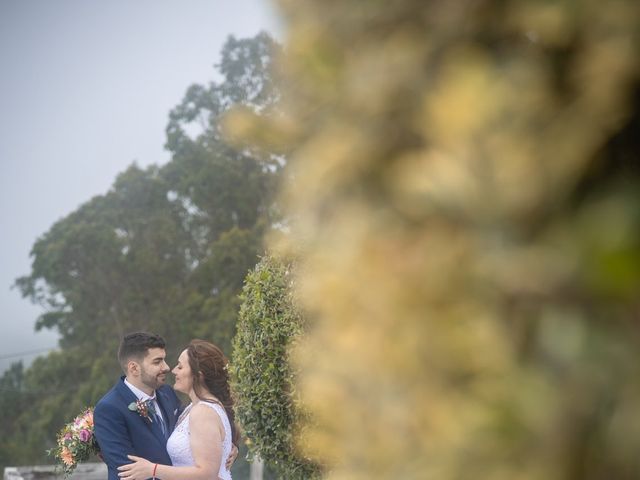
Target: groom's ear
(133,367)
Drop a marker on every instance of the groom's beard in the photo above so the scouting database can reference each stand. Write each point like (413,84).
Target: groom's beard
(152,381)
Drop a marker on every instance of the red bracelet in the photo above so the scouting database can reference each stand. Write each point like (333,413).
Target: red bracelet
(154,471)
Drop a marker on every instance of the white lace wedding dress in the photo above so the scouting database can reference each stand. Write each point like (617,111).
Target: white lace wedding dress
(179,448)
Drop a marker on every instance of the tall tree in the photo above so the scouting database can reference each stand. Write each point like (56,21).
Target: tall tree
(226,190)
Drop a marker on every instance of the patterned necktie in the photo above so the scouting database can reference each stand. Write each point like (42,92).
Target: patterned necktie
(158,418)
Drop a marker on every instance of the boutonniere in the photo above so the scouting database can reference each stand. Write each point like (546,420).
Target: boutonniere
(142,408)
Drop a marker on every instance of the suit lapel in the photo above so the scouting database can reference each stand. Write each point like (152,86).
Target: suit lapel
(125,392)
(128,396)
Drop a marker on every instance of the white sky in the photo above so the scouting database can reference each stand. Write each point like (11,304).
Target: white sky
(85,89)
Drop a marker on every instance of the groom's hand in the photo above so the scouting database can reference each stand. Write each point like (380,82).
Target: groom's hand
(232,456)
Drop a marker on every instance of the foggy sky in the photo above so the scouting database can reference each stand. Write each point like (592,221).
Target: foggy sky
(85,90)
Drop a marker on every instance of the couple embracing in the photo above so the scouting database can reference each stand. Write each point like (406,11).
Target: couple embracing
(141,427)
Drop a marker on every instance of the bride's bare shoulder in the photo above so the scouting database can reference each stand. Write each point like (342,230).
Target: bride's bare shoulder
(201,411)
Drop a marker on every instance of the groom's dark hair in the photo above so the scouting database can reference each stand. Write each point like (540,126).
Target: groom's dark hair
(134,346)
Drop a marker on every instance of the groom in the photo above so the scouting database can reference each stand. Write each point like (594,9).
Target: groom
(137,415)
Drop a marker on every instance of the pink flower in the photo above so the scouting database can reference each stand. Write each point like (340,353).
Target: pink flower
(142,408)
(85,435)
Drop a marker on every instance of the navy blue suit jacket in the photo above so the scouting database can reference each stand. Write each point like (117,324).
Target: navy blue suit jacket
(121,432)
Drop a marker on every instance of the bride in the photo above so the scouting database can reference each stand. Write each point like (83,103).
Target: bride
(201,443)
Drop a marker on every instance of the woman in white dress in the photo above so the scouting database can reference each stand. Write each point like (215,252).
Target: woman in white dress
(202,440)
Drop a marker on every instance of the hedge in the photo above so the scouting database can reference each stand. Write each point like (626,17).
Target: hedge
(263,379)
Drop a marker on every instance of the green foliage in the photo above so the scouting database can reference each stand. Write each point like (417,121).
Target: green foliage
(165,249)
(264,380)
(14,401)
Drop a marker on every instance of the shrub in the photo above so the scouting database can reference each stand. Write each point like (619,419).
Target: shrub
(263,378)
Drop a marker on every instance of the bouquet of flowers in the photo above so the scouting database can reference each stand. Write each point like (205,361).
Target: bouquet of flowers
(75,442)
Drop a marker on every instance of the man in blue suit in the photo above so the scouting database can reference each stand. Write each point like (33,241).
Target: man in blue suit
(137,415)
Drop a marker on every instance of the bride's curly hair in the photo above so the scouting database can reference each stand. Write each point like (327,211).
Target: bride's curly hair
(210,373)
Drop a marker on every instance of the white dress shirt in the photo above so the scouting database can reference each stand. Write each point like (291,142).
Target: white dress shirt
(143,397)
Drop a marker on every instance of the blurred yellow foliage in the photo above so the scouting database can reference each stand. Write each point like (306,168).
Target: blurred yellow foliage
(469,234)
